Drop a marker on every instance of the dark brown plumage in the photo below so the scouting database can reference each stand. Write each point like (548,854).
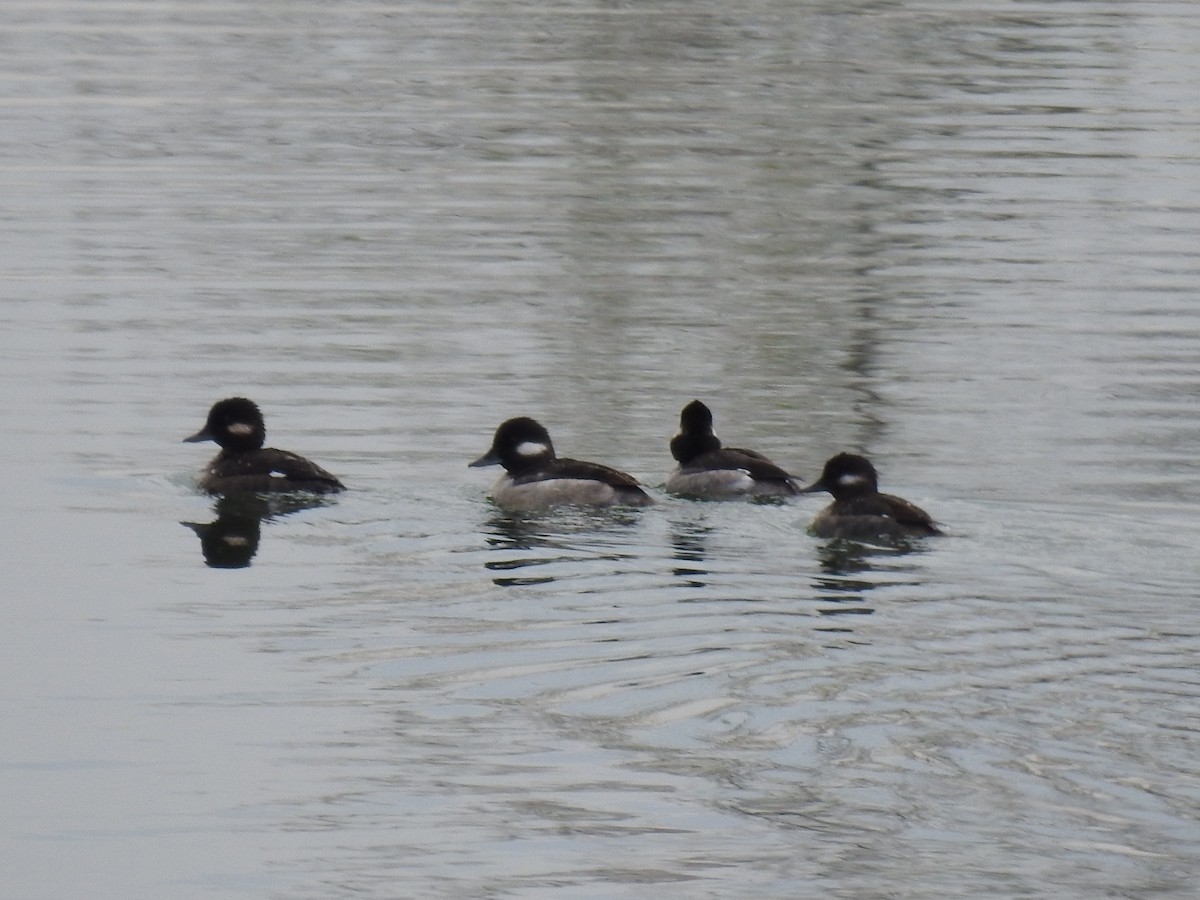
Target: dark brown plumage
(237,426)
(859,511)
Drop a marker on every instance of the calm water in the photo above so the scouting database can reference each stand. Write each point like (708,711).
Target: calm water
(963,238)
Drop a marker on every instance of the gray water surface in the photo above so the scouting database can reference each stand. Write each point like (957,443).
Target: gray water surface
(962,238)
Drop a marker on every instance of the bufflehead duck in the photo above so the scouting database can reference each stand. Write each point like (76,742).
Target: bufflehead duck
(245,465)
(859,511)
(712,472)
(535,478)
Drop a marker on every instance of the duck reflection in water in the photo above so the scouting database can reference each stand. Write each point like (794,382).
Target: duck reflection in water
(850,569)
(231,540)
(689,544)
(563,540)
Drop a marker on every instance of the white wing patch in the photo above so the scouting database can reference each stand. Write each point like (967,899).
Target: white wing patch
(531,448)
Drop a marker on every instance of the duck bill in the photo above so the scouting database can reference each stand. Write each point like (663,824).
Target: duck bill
(815,488)
(491,458)
(201,435)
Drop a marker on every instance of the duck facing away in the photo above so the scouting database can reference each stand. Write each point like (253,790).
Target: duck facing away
(237,426)
(859,511)
(534,478)
(709,471)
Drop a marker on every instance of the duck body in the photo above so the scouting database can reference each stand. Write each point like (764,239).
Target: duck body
(859,511)
(244,465)
(535,478)
(708,470)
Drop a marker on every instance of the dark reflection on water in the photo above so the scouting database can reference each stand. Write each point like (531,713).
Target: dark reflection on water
(555,536)
(230,541)
(850,570)
(688,544)
(844,558)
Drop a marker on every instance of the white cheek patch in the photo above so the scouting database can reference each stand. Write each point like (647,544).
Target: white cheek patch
(851,480)
(241,429)
(531,448)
